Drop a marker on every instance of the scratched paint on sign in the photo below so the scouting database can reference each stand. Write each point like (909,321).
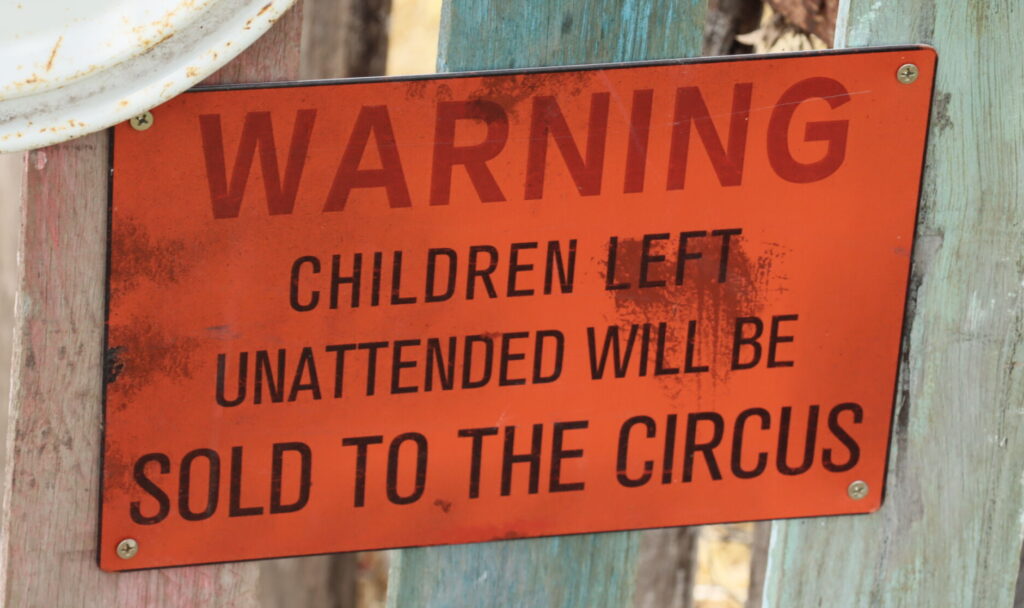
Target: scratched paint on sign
(388,313)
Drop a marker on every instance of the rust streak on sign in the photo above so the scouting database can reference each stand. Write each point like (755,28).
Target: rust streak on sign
(405,312)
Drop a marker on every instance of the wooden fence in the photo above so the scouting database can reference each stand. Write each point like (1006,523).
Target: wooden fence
(950,532)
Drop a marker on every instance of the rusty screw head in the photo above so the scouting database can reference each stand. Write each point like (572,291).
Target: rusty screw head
(907,73)
(142,121)
(127,548)
(857,490)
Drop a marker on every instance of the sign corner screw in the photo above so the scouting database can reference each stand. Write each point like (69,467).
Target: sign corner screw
(142,121)
(857,490)
(127,548)
(907,73)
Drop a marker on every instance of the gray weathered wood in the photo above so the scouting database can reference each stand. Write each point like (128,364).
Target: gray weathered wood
(758,563)
(666,568)
(344,38)
(11,170)
(51,494)
(949,533)
(587,570)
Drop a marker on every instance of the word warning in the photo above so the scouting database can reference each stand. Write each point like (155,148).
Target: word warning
(397,312)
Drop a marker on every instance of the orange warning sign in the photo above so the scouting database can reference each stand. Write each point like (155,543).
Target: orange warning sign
(396,312)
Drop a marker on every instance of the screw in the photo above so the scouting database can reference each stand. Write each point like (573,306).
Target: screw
(142,121)
(127,548)
(857,490)
(907,73)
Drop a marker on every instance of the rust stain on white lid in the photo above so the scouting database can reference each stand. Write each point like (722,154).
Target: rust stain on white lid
(72,67)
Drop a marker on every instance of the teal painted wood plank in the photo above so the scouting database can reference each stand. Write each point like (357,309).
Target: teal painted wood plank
(494,34)
(573,571)
(950,531)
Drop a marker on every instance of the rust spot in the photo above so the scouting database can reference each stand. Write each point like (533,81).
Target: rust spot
(191,71)
(415,89)
(714,306)
(165,38)
(445,505)
(511,92)
(112,364)
(122,103)
(135,256)
(118,470)
(266,7)
(146,352)
(53,53)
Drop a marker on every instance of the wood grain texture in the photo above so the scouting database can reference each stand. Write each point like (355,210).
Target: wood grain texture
(949,533)
(494,34)
(758,563)
(585,570)
(343,38)
(51,495)
(666,568)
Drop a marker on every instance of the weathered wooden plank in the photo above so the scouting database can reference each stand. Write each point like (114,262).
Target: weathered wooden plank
(344,38)
(11,170)
(51,495)
(586,570)
(491,34)
(949,533)
(666,567)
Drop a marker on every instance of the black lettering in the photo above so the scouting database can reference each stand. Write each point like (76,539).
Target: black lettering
(844,437)
(314,295)
(483,274)
(306,365)
(453,265)
(812,431)
(706,448)
(185,485)
(243,373)
(149,486)
(532,458)
(538,356)
(362,448)
(398,364)
(476,455)
(737,444)
(646,259)
(467,361)
(507,357)
(566,268)
(305,476)
(739,341)
(558,454)
(515,267)
(622,464)
(775,339)
(337,279)
(371,364)
(421,468)
(446,376)
(235,508)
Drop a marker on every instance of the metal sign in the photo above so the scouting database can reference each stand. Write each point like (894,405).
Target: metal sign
(385,313)
(73,67)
